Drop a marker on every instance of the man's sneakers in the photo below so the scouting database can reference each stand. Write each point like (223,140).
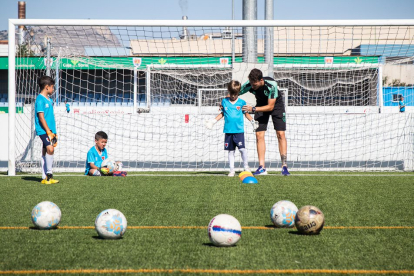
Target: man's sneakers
(285,171)
(49,179)
(231,173)
(260,171)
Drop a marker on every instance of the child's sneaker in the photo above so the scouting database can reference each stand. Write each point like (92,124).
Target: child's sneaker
(49,179)
(231,174)
(247,169)
(260,171)
(120,173)
(285,171)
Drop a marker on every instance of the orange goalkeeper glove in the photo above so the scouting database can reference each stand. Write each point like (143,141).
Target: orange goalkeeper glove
(52,138)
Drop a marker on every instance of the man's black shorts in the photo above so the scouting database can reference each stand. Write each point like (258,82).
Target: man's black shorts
(278,118)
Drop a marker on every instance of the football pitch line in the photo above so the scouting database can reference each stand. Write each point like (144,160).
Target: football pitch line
(209,271)
(205,227)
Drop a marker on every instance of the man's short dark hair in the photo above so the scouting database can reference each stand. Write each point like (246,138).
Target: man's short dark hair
(45,80)
(101,135)
(255,75)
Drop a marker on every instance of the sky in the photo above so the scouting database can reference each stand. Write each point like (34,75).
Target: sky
(206,10)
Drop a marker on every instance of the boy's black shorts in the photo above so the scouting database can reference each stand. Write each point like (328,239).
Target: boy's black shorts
(45,139)
(233,140)
(278,118)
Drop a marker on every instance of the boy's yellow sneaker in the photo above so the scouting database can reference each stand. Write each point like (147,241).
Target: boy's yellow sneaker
(49,179)
(44,181)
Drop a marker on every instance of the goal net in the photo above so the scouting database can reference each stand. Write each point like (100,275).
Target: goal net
(151,86)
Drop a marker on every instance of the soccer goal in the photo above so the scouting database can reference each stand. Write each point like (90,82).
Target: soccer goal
(151,85)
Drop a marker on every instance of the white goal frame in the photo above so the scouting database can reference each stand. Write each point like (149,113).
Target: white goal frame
(13,23)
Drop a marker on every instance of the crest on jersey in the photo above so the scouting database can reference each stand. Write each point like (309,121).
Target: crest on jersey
(226,145)
(238,108)
(103,157)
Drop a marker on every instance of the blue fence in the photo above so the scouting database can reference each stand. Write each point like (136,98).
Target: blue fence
(391,95)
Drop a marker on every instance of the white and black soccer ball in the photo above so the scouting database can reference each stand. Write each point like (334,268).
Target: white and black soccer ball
(110,165)
(46,215)
(111,224)
(224,230)
(283,214)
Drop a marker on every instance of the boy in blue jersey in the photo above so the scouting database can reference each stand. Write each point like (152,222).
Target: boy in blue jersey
(67,107)
(233,125)
(401,105)
(97,154)
(46,127)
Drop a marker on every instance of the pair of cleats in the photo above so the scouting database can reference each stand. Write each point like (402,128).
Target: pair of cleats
(262,171)
(120,173)
(49,180)
(233,173)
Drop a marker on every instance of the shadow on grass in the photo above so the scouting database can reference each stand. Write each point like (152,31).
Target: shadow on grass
(302,234)
(209,244)
(49,229)
(32,178)
(96,237)
(271,226)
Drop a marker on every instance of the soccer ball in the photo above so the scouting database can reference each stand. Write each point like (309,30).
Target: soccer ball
(110,165)
(224,230)
(46,215)
(309,220)
(283,214)
(111,224)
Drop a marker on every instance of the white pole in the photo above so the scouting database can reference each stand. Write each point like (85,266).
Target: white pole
(12,99)
(135,89)
(211,23)
(380,93)
(148,85)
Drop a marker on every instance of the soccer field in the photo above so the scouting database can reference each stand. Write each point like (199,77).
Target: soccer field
(369,225)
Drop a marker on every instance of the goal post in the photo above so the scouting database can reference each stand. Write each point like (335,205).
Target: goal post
(150,84)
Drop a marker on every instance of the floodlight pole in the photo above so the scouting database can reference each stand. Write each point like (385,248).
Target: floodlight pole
(269,46)
(233,53)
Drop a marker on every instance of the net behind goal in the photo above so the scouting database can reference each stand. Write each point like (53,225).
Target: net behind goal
(151,86)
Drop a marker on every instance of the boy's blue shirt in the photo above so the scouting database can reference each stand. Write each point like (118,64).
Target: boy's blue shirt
(44,105)
(401,103)
(95,158)
(233,115)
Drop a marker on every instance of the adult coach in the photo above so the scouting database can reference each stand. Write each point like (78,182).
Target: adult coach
(269,103)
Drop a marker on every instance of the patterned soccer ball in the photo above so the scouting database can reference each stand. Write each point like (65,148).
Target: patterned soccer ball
(110,165)
(224,230)
(283,214)
(309,220)
(111,224)
(46,215)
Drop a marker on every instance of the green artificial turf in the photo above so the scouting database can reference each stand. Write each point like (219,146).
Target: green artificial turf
(192,200)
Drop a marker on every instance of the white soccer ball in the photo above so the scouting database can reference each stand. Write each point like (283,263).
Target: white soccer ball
(224,230)
(283,214)
(110,165)
(46,215)
(111,224)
